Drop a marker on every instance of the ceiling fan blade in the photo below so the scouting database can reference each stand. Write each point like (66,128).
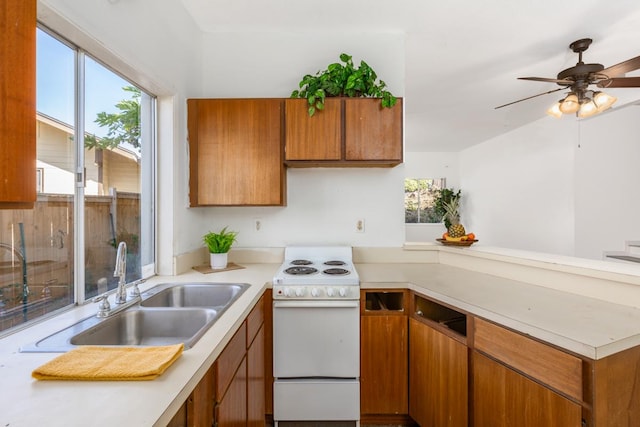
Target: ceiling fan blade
(620,82)
(622,68)
(544,79)
(534,96)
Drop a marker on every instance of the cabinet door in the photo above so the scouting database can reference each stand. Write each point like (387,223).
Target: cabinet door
(438,372)
(18,104)
(180,418)
(384,365)
(313,138)
(504,398)
(201,402)
(268,351)
(373,133)
(255,385)
(227,363)
(236,152)
(231,411)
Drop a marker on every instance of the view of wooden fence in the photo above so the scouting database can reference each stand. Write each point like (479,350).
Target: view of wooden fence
(44,236)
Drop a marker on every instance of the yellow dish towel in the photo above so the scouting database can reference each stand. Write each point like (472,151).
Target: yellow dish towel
(91,363)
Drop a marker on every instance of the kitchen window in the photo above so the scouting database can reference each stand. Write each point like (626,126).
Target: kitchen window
(419,197)
(96,165)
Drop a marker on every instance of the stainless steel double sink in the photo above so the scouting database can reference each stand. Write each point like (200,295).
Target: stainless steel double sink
(169,313)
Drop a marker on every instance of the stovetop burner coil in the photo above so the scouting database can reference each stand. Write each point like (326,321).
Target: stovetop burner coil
(336,262)
(301,262)
(300,270)
(336,271)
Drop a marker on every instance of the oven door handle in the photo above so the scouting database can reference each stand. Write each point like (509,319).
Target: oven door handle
(316,304)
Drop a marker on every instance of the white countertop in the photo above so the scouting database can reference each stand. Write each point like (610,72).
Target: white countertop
(583,325)
(586,326)
(27,402)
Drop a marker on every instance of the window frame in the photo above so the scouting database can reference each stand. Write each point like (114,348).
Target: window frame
(150,171)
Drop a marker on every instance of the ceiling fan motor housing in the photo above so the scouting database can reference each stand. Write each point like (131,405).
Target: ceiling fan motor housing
(580,71)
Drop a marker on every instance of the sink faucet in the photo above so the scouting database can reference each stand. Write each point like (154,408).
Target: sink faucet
(121,272)
(23,266)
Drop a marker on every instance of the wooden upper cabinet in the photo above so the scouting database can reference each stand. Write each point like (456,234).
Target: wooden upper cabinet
(373,133)
(236,152)
(313,138)
(17,104)
(348,132)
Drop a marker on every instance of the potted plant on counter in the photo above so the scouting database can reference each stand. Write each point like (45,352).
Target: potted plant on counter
(343,80)
(219,245)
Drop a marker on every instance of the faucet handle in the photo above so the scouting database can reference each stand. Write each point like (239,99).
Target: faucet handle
(104,308)
(135,291)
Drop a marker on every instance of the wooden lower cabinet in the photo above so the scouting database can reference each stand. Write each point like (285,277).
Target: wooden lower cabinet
(453,373)
(232,392)
(384,352)
(438,372)
(180,418)
(231,410)
(255,381)
(200,404)
(502,398)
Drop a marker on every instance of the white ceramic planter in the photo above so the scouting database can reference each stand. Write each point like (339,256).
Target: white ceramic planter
(218,261)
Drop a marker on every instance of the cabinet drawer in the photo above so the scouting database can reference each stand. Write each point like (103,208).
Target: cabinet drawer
(254,321)
(229,360)
(558,370)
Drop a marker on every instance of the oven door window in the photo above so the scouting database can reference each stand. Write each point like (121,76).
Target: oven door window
(316,339)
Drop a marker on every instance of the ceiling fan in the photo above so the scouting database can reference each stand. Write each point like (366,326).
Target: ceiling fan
(581,99)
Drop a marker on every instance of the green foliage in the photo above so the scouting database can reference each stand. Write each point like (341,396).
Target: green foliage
(412,184)
(123,127)
(219,243)
(445,197)
(343,79)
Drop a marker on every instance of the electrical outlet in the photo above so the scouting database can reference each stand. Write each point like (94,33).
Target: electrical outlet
(360,225)
(257,224)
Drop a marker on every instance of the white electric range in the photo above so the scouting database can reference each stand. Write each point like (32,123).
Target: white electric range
(316,336)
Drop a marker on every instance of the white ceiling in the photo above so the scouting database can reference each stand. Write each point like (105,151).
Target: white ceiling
(463,57)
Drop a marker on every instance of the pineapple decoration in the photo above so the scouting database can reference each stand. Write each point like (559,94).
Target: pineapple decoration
(453,215)
(456,231)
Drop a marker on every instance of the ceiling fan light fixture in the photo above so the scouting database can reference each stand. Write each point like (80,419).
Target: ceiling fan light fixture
(588,109)
(603,100)
(554,110)
(570,104)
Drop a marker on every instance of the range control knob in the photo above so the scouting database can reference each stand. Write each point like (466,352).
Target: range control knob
(330,292)
(287,292)
(299,292)
(343,292)
(315,292)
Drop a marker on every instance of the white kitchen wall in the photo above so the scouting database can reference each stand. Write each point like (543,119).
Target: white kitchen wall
(324,208)
(323,205)
(607,179)
(519,188)
(557,186)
